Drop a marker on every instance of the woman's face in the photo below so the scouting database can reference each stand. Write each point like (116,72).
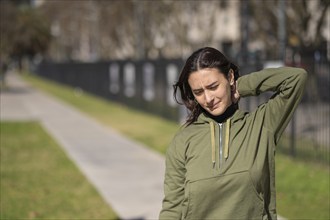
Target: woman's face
(212,89)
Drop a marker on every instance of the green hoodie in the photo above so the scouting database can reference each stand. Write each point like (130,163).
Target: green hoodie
(227,170)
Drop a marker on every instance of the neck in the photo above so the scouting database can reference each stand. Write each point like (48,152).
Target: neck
(227,114)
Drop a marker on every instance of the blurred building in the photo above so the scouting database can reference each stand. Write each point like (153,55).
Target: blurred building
(102,30)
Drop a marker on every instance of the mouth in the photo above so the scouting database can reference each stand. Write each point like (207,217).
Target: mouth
(212,107)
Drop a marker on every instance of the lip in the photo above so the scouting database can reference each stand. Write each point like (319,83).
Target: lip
(213,106)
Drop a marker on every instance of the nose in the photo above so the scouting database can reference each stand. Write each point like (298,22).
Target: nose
(208,97)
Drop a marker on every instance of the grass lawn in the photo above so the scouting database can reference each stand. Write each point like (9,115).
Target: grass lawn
(38,181)
(302,188)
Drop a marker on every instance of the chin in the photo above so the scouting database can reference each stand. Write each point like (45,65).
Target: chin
(219,110)
(216,112)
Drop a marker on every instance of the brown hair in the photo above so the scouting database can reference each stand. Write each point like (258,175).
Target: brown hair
(206,57)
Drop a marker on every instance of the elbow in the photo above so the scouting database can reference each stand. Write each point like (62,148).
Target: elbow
(300,75)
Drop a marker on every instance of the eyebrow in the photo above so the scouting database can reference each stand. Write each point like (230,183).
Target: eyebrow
(211,85)
(208,86)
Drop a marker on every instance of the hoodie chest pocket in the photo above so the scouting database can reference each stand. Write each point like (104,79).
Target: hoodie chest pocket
(223,197)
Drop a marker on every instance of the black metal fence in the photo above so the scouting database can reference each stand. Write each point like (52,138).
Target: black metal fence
(147,85)
(310,128)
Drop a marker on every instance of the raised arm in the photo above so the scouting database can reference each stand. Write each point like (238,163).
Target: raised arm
(287,83)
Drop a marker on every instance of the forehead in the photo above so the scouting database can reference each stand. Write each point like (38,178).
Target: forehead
(205,77)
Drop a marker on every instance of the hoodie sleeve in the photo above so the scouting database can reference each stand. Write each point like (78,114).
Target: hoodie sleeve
(287,83)
(174,183)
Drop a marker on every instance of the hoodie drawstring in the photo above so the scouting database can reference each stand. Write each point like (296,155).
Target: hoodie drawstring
(226,144)
(226,153)
(212,142)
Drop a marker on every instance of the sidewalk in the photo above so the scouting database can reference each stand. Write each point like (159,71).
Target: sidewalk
(128,175)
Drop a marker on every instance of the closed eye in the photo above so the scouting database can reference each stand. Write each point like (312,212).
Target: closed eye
(213,87)
(198,92)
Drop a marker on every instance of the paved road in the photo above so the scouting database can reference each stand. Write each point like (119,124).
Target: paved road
(127,175)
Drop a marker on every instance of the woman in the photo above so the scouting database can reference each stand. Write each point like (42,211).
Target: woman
(221,164)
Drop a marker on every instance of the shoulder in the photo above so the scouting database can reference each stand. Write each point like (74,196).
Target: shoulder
(185,133)
(182,138)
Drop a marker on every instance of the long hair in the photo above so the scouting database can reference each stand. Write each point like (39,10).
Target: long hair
(206,57)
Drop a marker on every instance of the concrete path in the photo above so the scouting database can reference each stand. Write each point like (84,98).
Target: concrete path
(127,175)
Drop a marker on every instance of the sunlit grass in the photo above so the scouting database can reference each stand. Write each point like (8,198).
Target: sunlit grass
(303,189)
(38,180)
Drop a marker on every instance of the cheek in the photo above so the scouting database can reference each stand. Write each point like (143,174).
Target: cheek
(224,92)
(200,99)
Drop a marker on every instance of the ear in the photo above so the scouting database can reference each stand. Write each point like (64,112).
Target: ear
(231,77)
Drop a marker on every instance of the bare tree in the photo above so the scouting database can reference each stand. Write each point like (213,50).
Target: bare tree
(304,22)
(24,32)
(137,29)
